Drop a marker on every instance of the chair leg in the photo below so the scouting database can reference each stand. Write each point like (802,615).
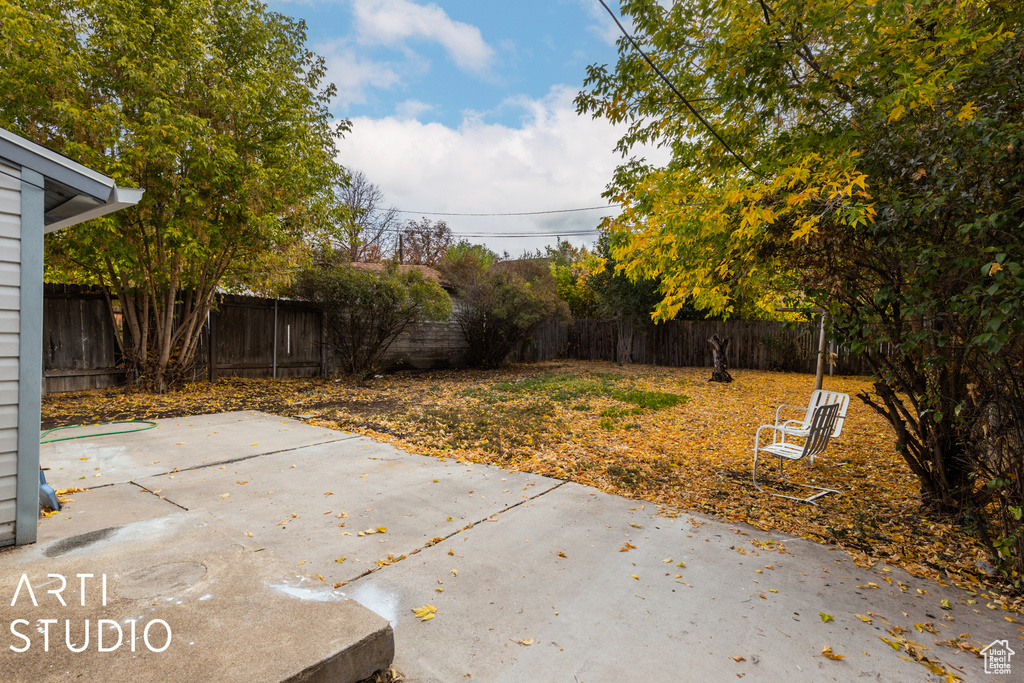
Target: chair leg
(782,472)
(756,486)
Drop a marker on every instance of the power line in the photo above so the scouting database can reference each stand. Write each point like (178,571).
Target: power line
(517,213)
(673,88)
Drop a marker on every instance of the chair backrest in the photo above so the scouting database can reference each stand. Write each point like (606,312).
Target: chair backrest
(819,398)
(820,432)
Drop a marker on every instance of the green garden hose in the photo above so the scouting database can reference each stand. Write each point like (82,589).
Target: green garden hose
(145,424)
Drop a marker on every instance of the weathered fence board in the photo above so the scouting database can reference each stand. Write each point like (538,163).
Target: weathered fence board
(81,350)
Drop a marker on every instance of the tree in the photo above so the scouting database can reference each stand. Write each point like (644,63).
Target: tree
(367,231)
(499,302)
(364,312)
(215,108)
(425,243)
(572,267)
(628,301)
(867,156)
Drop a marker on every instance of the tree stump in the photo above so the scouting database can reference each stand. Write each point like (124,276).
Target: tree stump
(718,349)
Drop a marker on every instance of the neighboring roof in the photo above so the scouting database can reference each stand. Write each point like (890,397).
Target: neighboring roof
(426,271)
(73,192)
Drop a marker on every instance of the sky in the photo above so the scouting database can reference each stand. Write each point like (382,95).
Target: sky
(466,106)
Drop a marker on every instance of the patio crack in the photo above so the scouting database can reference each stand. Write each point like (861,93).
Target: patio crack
(442,539)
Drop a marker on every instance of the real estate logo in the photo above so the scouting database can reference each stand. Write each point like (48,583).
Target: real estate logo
(105,629)
(997,657)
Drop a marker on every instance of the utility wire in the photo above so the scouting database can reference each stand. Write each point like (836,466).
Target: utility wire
(673,88)
(518,213)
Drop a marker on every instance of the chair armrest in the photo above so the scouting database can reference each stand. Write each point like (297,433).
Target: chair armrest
(779,410)
(757,436)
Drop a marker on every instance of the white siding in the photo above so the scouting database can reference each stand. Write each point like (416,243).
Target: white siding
(10,274)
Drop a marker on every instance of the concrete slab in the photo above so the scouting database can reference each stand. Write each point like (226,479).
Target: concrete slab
(295,503)
(556,573)
(234,611)
(102,508)
(175,444)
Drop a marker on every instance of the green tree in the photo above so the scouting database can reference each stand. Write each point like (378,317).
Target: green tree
(498,303)
(868,156)
(215,108)
(364,312)
(572,268)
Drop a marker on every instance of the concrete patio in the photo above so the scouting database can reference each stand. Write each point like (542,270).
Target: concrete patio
(235,528)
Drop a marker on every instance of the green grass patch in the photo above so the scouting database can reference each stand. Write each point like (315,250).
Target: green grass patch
(557,387)
(653,400)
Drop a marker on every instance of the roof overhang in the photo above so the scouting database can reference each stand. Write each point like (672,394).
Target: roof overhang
(73,192)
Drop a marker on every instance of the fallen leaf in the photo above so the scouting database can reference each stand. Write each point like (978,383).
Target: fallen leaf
(825,617)
(827,652)
(425,613)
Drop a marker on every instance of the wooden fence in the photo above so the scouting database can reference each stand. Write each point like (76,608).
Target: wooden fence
(256,337)
(80,349)
(756,345)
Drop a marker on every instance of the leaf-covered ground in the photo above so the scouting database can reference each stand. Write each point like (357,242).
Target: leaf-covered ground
(662,434)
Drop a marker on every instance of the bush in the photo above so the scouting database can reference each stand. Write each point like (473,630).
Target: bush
(499,302)
(364,312)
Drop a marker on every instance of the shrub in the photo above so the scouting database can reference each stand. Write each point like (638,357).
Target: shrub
(364,312)
(499,303)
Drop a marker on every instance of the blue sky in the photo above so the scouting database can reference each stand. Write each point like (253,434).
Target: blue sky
(465,106)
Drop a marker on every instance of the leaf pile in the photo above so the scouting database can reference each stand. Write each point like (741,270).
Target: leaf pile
(661,434)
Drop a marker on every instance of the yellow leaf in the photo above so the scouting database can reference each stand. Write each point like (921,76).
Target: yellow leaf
(966,112)
(870,584)
(897,113)
(893,644)
(341,559)
(825,618)
(224,495)
(425,613)
(328,493)
(635,577)
(866,620)
(382,530)
(827,652)
(945,604)
(455,572)
(527,641)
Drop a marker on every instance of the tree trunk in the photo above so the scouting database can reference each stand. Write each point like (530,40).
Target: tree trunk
(718,349)
(624,349)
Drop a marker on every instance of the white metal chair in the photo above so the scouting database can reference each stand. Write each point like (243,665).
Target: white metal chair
(819,432)
(800,427)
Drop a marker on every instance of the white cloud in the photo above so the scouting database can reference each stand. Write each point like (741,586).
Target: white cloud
(602,25)
(353,73)
(411,109)
(392,22)
(554,160)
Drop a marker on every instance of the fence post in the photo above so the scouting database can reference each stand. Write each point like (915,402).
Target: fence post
(275,339)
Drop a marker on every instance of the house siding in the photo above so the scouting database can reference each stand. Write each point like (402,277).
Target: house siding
(10,280)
